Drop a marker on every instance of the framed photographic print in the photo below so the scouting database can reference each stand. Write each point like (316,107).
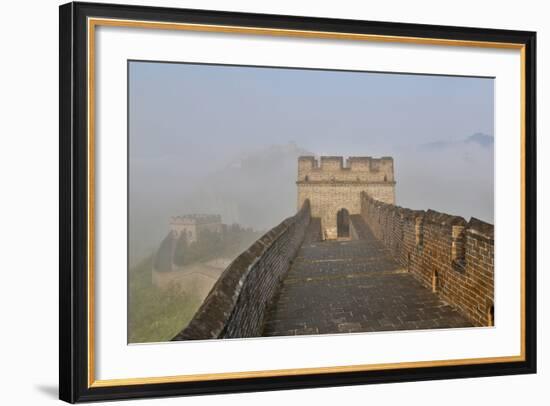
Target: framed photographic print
(255,202)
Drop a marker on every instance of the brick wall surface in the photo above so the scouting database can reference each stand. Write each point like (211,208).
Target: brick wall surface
(453,257)
(235,307)
(328,198)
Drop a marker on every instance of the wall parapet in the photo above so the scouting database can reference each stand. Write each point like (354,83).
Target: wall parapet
(451,256)
(235,307)
(335,168)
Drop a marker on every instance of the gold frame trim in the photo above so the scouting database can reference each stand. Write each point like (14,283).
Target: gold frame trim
(94,22)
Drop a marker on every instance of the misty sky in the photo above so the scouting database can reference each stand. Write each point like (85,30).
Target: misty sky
(213,138)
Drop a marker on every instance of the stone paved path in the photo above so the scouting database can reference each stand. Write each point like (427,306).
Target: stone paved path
(353,286)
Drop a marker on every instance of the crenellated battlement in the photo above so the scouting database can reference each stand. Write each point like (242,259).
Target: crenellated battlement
(353,169)
(452,256)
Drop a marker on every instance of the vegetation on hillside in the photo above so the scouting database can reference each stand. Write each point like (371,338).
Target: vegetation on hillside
(155,314)
(210,245)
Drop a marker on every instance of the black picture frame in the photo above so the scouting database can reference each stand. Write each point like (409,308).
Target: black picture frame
(73,255)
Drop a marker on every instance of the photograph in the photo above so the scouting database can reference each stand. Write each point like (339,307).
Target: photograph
(280,201)
(254,201)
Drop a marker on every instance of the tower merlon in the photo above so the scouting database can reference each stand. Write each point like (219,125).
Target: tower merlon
(354,168)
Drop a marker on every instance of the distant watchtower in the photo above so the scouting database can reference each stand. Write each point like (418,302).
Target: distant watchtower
(334,189)
(193,224)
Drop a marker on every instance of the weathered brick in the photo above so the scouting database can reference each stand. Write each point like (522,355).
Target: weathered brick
(235,307)
(443,239)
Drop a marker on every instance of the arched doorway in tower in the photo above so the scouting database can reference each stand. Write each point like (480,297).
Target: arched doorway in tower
(342,223)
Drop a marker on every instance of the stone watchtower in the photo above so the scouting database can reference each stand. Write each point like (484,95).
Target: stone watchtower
(334,189)
(193,224)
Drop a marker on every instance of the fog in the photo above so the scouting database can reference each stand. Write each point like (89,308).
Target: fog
(225,140)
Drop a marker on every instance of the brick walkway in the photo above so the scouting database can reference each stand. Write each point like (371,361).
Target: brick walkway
(353,286)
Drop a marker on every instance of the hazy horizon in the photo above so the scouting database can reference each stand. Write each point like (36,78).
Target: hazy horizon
(225,140)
